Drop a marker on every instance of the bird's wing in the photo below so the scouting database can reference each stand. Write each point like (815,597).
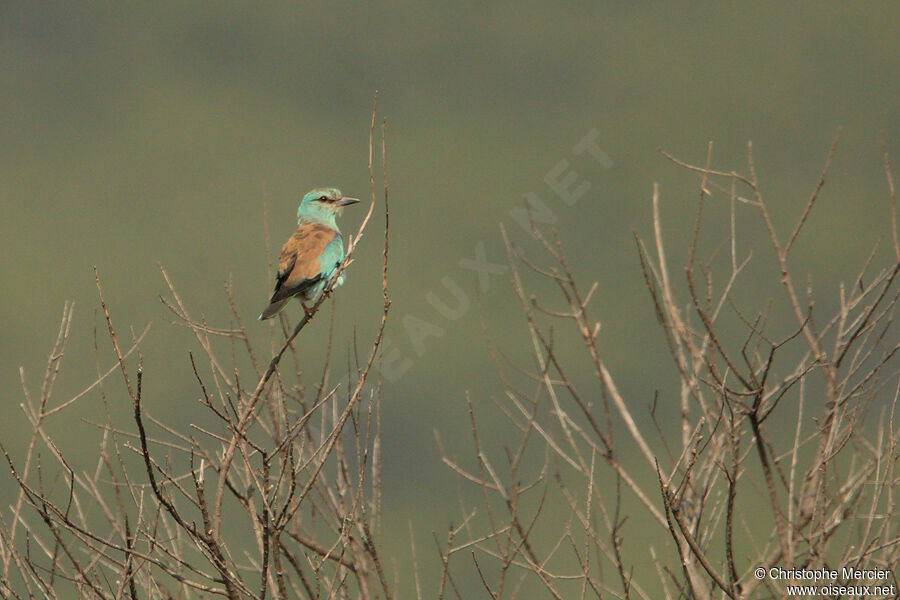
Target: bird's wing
(308,257)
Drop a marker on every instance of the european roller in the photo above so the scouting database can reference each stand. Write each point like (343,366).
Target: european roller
(312,254)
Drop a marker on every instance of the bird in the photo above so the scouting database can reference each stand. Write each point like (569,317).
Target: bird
(311,255)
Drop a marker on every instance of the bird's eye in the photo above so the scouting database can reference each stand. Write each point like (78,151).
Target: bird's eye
(323,198)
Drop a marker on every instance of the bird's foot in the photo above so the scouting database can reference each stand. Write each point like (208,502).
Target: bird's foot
(308,311)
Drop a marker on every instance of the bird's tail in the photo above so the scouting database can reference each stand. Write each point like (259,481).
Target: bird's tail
(273,309)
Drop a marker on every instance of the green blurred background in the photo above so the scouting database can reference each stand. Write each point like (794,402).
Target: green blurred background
(136,133)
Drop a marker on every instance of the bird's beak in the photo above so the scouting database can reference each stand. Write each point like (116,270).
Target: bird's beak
(345,201)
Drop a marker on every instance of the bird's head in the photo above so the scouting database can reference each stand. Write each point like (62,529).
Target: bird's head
(323,205)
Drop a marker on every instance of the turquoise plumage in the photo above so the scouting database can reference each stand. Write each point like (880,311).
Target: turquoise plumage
(311,255)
